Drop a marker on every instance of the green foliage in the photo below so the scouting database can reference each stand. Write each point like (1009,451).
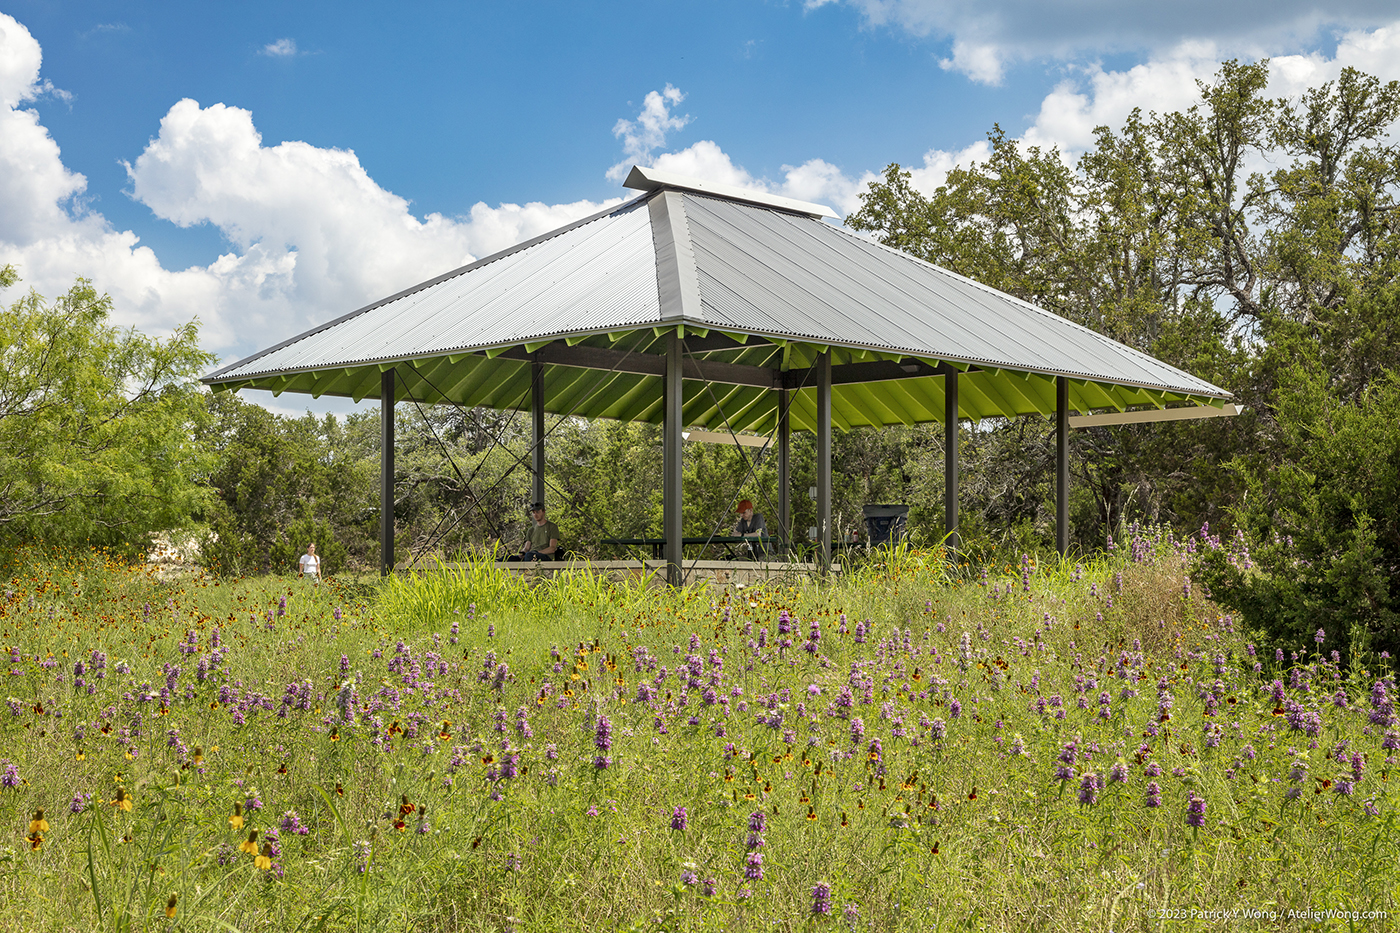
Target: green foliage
(1322,530)
(283,483)
(95,424)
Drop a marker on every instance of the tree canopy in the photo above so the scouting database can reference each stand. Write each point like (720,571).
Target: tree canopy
(96,423)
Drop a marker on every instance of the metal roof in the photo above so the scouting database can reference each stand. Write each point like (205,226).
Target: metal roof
(653,179)
(758,288)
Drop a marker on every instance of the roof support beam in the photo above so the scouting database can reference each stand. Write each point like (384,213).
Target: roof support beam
(537,427)
(646,364)
(875,371)
(1062,465)
(950,462)
(823,368)
(784,498)
(671,464)
(714,342)
(1165,414)
(386,471)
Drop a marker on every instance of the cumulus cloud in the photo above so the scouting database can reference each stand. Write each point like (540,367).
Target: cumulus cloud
(1094,97)
(980,61)
(312,235)
(986,36)
(814,180)
(282,48)
(640,137)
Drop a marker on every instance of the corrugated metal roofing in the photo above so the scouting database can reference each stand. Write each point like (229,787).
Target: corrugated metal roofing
(753,270)
(778,273)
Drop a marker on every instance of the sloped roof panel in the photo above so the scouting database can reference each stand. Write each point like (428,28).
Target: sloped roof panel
(592,276)
(781,273)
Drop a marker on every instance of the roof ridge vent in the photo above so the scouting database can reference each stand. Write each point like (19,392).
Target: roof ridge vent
(652,179)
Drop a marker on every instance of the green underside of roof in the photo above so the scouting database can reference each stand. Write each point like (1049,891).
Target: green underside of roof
(487,379)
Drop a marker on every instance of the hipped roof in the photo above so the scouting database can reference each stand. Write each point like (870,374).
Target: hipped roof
(757,288)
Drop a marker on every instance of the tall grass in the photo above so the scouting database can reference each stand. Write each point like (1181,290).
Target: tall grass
(919,747)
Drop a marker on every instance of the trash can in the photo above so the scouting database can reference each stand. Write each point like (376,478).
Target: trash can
(885,524)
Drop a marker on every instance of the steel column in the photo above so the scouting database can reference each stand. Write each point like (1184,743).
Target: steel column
(784,451)
(950,461)
(386,472)
(1062,465)
(671,468)
(824,461)
(537,423)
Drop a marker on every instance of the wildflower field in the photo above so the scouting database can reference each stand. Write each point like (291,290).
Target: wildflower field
(1041,747)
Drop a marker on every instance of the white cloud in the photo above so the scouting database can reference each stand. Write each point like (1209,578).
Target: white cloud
(982,62)
(103,28)
(282,48)
(648,132)
(1094,97)
(19,65)
(989,34)
(313,235)
(937,164)
(815,180)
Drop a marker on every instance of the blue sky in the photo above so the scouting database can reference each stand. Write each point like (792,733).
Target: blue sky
(268,166)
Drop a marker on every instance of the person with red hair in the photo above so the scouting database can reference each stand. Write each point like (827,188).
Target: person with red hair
(751,525)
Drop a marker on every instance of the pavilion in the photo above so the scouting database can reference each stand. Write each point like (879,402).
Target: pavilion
(703,306)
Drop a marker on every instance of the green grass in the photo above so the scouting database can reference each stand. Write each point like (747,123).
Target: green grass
(411,824)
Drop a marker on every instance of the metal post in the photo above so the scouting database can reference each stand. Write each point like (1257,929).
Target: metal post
(386,472)
(784,451)
(950,461)
(1062,465)
(824,461)
(537,419)
(671,461)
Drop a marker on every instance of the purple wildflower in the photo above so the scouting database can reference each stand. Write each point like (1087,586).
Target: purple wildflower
(821,899)
(291,823)
(1089,789)
(1196,812)
(679,819)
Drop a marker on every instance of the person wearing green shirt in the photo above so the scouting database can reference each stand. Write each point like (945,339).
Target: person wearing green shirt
(541,538)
